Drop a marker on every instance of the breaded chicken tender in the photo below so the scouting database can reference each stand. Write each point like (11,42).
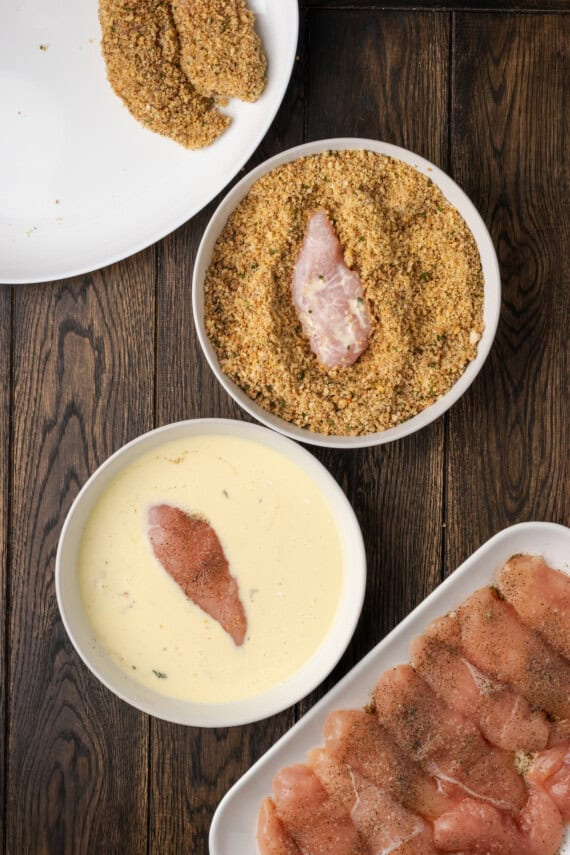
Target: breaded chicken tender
(221,53)
(141,48)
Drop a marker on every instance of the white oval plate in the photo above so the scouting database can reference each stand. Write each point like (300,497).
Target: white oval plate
(278,697)
(82,184)
(491,276)
(234,825)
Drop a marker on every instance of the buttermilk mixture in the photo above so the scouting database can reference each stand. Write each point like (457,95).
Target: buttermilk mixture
(280,541)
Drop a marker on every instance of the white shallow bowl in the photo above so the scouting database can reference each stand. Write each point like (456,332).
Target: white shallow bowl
(234,825)
(211,714)
(67,137)
(491,276)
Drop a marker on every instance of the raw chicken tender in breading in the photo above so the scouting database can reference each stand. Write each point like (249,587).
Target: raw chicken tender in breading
(328,297)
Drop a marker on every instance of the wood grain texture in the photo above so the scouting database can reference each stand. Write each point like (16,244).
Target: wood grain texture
(397,90)
(382,75)
(83,385)
(510,117)
(5,366)
(191,769)
(441,5)
(85,772)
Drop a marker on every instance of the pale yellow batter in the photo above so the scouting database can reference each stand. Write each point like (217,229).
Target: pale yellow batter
(279,537)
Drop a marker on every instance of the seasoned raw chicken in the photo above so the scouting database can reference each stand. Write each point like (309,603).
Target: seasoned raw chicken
(541,823)
(383,824)
(430,765)
(475,826)
(444,742)
(357,738)
(328,297)
(272,837)
(189,550)
(559,733)
(551,769)
(503,716)
(318,824)
(478,827)
(541,597)
(494,639)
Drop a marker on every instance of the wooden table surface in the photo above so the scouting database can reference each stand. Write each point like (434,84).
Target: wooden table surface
(88,363)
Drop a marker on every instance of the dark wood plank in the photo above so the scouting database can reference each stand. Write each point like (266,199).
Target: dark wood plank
(442,5)
(5,365)
(83,385)
(397,90)
(191,769)
(509,455)
(382,75)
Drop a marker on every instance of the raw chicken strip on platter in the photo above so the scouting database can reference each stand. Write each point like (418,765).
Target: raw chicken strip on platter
(383,824)
(540,596)
(445,743)
(357,738)
(492,637)
(318,822)
(329,298)
(503,716)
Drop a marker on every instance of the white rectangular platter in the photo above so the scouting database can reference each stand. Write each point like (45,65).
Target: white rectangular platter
(234,824)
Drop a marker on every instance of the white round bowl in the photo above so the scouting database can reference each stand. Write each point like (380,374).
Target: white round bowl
(277,698)
(489,264)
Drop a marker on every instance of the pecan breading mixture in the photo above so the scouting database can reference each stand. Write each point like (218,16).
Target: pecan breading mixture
(421,274)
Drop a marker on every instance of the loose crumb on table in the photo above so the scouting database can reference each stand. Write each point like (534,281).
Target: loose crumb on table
(421,274)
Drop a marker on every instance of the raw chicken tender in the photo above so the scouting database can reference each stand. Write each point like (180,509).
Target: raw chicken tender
(444,742)
(489,632)
(328,297)
(272,836)
(383,824)
(541,597)
(357,738)
(189,550)
(559,733)
(504,717)
(478,827)
(551,769)
(316,821)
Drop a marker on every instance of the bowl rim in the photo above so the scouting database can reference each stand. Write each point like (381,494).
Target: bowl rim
(491,296)
(229,714)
